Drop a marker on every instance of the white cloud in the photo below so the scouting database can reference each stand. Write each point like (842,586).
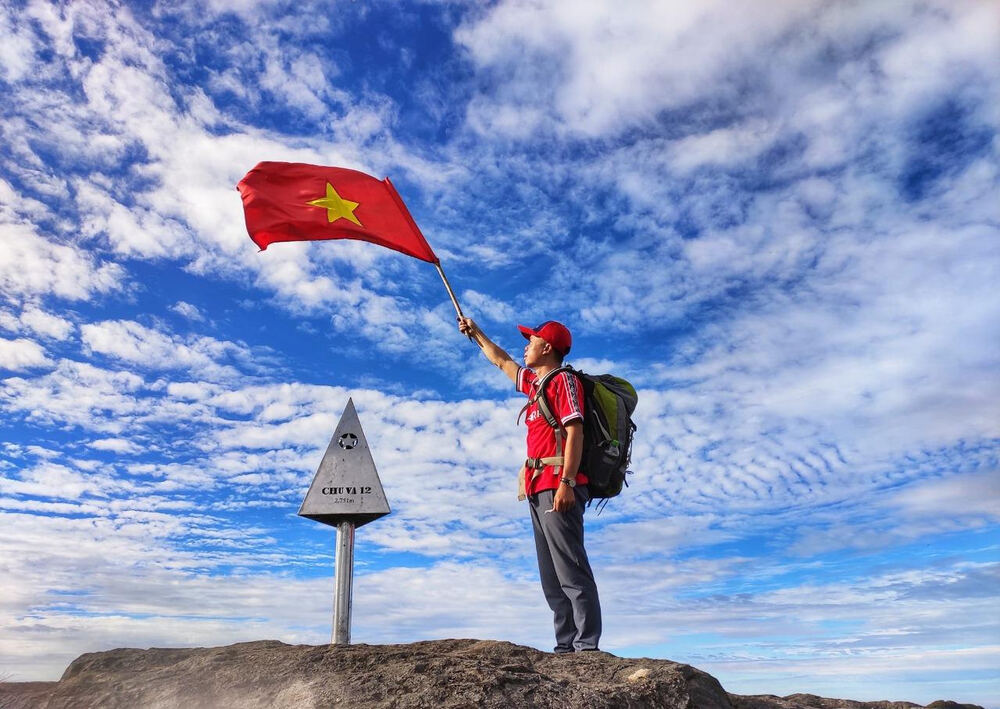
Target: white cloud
(130,231)
(191,390)
(186,310)
(598,67)
(46,324)
(22,354)
(56,481)
(76,393)
(16,53)
(962,496)
(15,206)
(115,445)
(130,342)
(722,147)
(484,305)
(31,265)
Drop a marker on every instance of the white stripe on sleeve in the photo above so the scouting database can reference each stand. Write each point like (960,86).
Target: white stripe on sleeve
(571,394)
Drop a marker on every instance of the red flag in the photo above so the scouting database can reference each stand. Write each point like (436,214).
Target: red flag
(285,201)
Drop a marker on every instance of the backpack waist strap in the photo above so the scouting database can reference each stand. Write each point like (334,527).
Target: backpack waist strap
(539,463)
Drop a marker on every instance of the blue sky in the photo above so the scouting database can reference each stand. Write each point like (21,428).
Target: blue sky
(779,220)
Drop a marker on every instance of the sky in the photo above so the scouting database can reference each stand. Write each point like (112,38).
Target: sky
(779,220)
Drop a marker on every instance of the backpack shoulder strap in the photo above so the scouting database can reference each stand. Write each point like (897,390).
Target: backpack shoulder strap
(543,399)
(539,396)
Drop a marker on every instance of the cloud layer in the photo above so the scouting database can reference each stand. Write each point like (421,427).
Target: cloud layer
(780,225)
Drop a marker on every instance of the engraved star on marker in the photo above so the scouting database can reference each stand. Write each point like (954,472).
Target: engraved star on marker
(336,206)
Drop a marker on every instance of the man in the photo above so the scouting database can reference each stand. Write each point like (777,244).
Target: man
(551,479)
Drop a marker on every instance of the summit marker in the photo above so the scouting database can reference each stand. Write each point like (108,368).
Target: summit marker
(346,493)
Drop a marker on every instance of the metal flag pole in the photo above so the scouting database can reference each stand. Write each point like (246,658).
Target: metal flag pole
(343,584)
(451,293)
(454,300)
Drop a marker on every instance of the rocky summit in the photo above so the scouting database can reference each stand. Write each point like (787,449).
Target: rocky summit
(441,673)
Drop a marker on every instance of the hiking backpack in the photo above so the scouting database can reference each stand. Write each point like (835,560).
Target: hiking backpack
(607,428)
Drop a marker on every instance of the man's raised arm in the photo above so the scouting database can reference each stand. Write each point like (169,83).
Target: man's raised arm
(493,353)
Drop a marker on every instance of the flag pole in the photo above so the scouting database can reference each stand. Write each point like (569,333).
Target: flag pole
(451,293)
(454,300)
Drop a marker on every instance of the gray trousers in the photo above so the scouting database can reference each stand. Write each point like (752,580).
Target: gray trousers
(567,580)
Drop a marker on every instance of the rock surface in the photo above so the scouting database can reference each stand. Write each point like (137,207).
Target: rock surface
(810,701)
(24,695)
(440,673)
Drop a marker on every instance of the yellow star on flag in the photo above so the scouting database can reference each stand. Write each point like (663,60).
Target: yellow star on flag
(336,206)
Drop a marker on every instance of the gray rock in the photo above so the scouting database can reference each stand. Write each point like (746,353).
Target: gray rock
(443,673)
(24,695)
(440,673)
(810,701)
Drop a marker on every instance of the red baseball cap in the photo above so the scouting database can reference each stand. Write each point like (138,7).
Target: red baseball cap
(555,333)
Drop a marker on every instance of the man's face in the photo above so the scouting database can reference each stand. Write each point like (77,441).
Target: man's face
(534,351)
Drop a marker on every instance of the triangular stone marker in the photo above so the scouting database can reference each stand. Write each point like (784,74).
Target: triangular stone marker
(346,487)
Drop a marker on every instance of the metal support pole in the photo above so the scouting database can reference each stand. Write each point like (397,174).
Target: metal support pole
(343,582)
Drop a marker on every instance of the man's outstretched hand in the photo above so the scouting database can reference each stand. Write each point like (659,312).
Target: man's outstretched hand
(468,327)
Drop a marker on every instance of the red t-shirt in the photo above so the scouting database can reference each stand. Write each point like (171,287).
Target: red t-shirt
(565,396)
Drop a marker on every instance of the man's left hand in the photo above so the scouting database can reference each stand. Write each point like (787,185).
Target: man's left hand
(565,498)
